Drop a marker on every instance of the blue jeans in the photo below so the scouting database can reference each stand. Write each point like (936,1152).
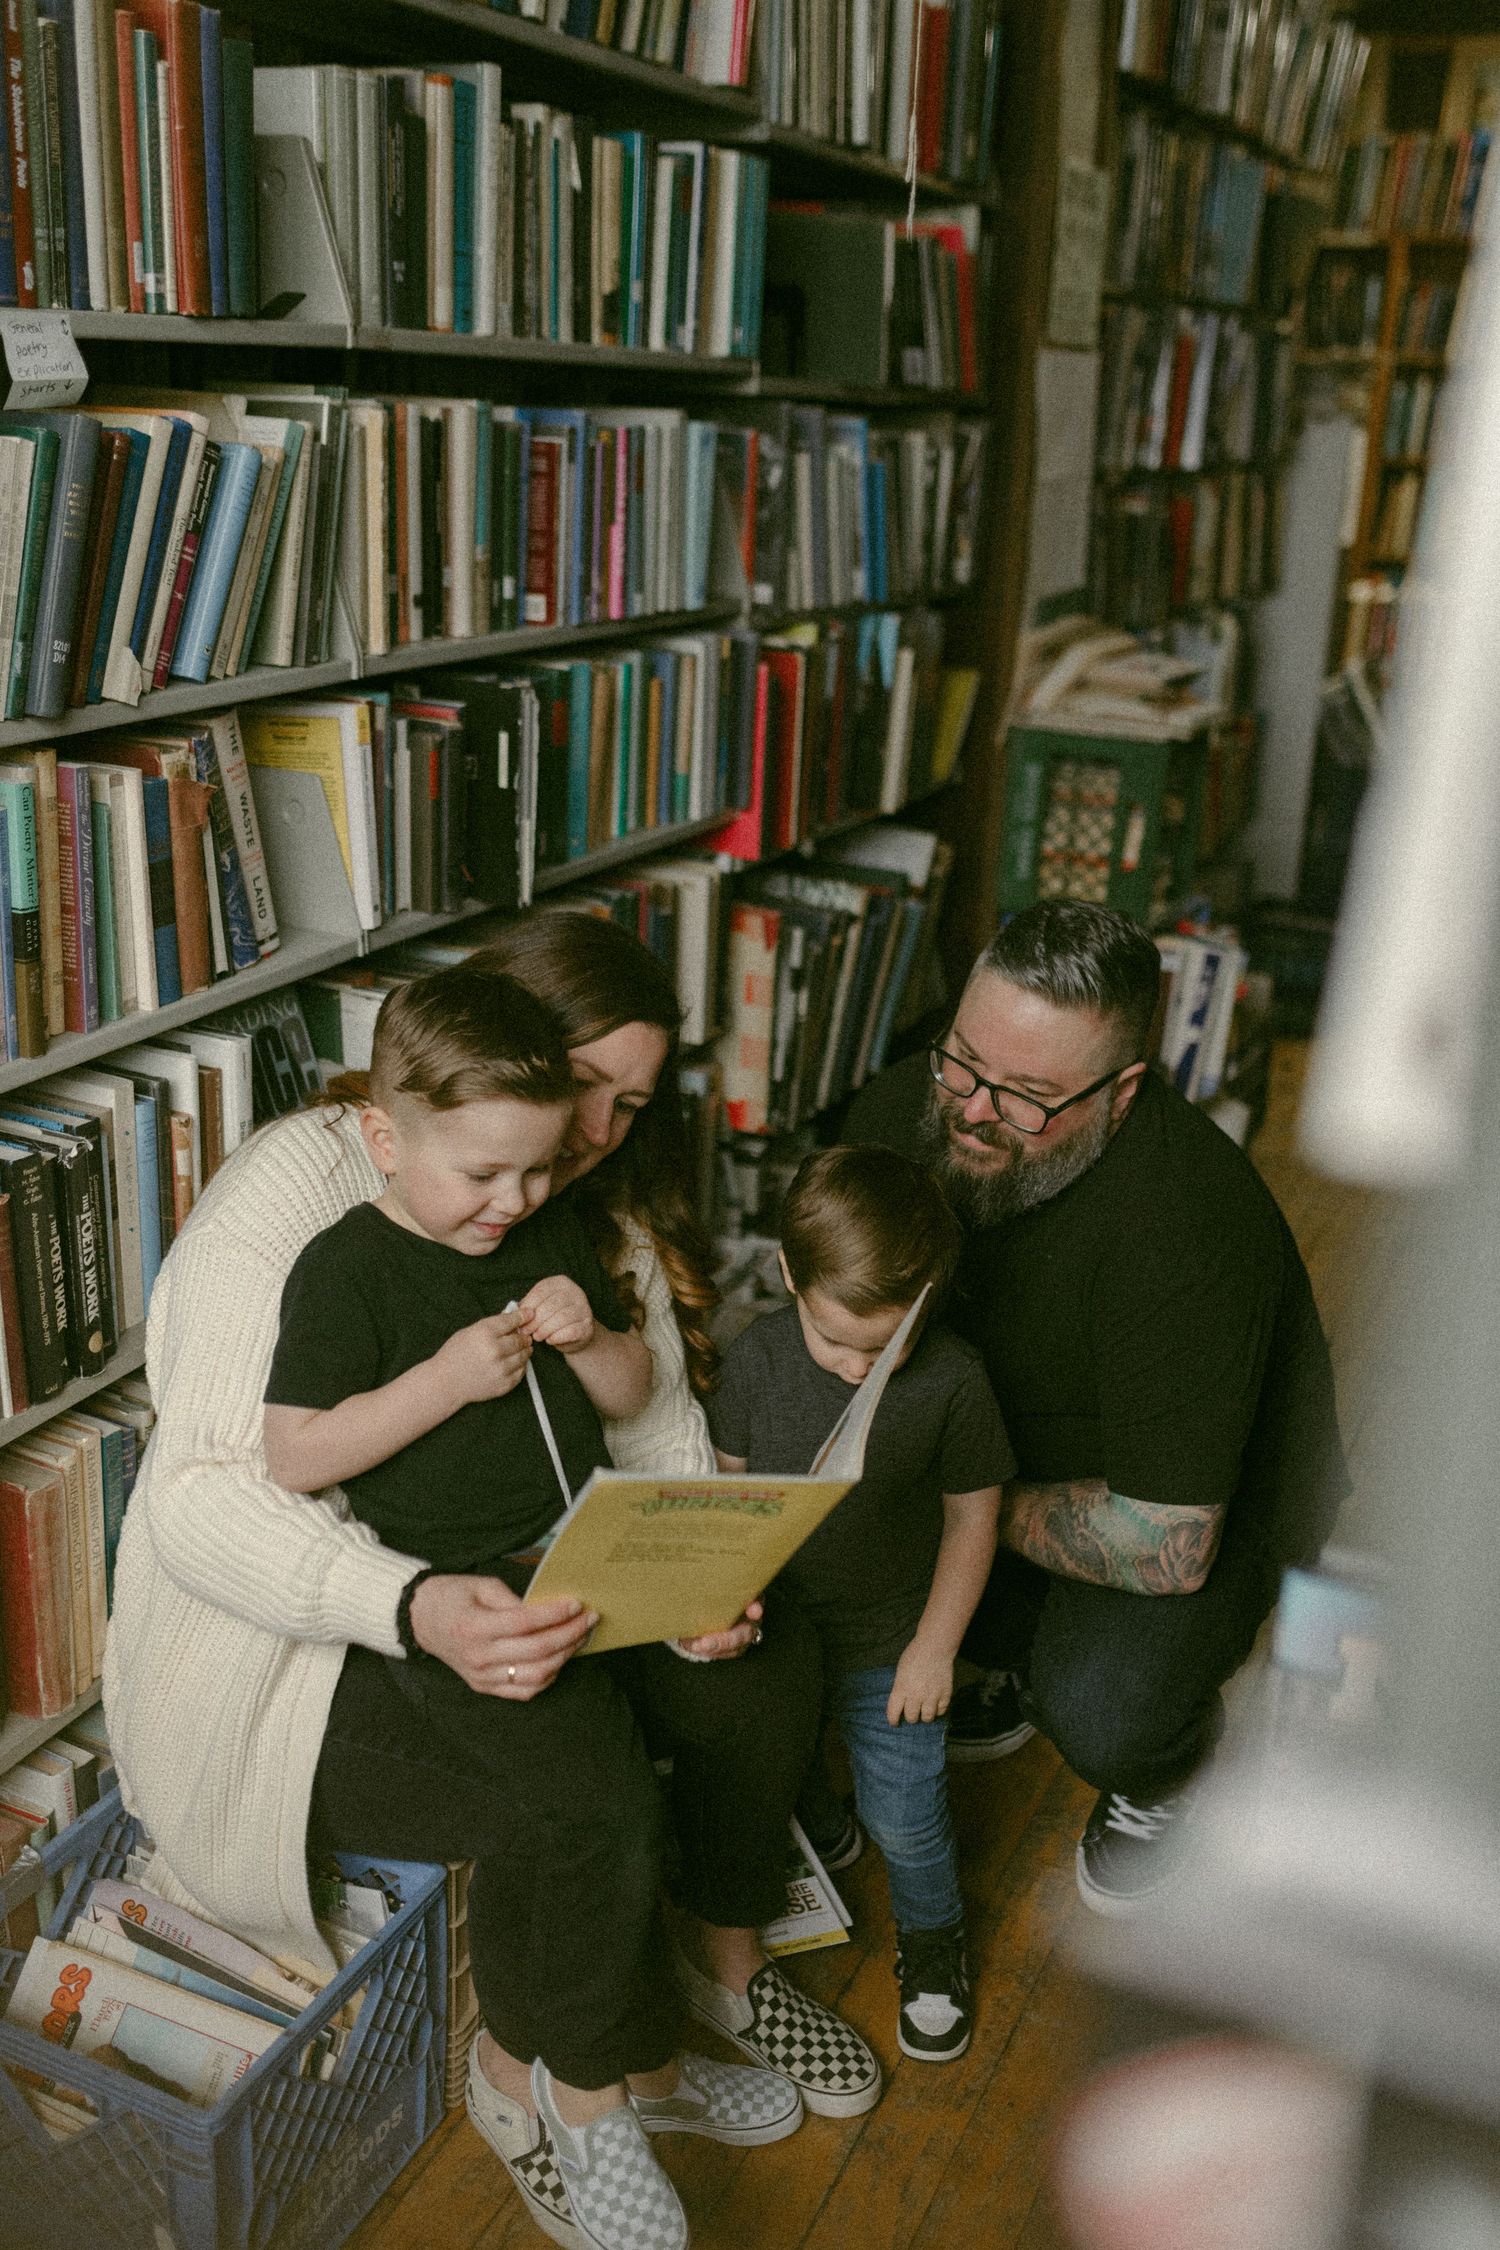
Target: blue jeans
(901,1793)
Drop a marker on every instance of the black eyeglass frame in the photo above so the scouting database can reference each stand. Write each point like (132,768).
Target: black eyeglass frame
(939,1055)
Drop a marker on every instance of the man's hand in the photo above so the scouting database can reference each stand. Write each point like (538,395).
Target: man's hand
(923,1687)
(557,1312)
(496,1643)
(485,1360)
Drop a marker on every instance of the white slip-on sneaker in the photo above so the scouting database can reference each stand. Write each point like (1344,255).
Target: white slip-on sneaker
(620,2196)
(524,2147)
(724,2102)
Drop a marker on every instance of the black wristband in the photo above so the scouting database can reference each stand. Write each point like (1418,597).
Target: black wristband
(410,1645)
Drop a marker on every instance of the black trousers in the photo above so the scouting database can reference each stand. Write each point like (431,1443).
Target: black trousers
(1126,1685)
(557,1802)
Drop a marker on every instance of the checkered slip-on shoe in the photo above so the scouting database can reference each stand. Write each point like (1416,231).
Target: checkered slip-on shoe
(524,2147)
(775,2024)
(620,2196)
(724,2102)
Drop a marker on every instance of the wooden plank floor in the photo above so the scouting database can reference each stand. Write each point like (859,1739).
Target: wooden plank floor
(955,2154)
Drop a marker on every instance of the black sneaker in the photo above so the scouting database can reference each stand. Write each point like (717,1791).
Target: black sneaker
(985,1720)
(1129,1852)
(937,2009)
(843,1847)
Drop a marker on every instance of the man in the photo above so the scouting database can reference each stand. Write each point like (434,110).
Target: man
(1150,1331)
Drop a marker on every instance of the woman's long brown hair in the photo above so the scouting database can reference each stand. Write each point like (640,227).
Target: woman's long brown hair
(596,977)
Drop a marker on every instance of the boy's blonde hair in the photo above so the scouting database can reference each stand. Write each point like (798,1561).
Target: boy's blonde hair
(867,1228)
(465,1035)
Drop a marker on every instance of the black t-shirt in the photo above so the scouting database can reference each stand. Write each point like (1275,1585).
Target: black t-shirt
(369,1299)
(1153,1324)
(864,1575)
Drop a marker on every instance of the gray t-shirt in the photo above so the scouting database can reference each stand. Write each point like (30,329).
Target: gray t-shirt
(865,1573)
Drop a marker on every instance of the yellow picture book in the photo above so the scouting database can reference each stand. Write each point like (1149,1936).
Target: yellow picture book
(666,1558)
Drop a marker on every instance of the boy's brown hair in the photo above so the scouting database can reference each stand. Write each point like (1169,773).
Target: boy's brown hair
(867,1228)
(465,1035)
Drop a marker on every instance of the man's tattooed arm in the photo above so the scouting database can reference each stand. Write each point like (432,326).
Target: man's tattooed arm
(1083,1530)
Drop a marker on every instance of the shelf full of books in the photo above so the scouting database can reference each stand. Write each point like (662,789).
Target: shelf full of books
(1278,73)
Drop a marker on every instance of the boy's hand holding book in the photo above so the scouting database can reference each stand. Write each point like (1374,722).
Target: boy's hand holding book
(485,1360)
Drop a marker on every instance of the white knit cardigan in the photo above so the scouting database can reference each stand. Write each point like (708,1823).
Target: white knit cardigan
(234,1601)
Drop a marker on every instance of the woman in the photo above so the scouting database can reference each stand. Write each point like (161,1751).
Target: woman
(248,1699)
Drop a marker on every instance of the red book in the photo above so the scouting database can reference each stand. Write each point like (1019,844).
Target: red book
(36,1598)
(20,157)
(13,1340)
(743,837)
(75,1013)
(130,158)
(1180,512)
(833,795)
(104,512)
(952,238)
(541,532)
(1184,352)
(189,183)
(785,748)
(932,93)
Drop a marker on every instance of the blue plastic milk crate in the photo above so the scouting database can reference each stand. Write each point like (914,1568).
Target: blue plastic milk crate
(282,2162)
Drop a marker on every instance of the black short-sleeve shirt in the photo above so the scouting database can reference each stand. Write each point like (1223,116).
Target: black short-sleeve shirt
(367,1300)
(1153,1324)
(864,1575)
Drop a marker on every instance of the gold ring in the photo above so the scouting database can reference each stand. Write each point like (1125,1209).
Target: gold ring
(510,1673)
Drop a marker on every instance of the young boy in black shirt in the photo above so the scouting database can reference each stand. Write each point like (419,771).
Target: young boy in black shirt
(891,1578)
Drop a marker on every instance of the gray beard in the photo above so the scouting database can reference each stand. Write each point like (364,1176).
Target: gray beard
(1014,1178)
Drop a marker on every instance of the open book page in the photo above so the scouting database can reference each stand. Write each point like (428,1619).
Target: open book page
(667,1558)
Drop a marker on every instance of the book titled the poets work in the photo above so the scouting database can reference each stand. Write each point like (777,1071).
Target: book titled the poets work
(667,1558)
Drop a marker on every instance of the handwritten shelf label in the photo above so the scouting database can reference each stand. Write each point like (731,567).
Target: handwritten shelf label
(44,363)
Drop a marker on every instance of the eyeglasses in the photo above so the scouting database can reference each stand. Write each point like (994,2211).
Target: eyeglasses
(1017,1110)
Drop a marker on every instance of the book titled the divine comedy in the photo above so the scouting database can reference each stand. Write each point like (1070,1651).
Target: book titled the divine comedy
(667,1558)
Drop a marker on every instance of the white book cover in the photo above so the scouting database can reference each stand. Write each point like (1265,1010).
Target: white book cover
(86,75)
(181,1073)
(174,2039)
(814,1914)
(461,439)
(127,807)
(123,678)
(437,109)
(112,1101)
(369,163)
(111,171)
(228,1052)
(186,1936)
(276,629)
(113,1939)
(239,795)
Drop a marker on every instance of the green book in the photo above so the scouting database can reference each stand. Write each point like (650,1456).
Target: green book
(106,938)
(237,70)
(19,800)
(33,547)
(35,94)
(148,144)
(621,823)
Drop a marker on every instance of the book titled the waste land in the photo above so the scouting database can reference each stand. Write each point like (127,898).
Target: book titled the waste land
(666,1558)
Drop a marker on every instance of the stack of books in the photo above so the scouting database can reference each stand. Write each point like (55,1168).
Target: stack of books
(1411,183)
(127,178)
(457,212)
(854,298)
(833,509)
(885,75)
(1185,390)
(1345,300)
(1278,68)
(1159,548)
(128,879)
(1187,212)
(1426,316)
(63,1490)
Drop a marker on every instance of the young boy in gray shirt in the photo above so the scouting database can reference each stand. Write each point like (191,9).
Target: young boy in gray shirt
(892,1576)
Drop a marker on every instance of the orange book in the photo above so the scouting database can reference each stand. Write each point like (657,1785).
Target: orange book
(130,158)
(187,803)
(182,1167)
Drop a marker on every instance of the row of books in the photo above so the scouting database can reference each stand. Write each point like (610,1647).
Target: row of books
(1411,183)
(83,1745)
(854,298)
(128,879)
(822,959)
(1345,302)
(1395,525)
(887,74)
(1372,617)
(1159,548)
(127,163)
(1188,212)
(458,212)
(63,1491)
(1426,316)
(100,1166)
(1185,390)
(177,537)
(831,509)
(705,39)
(1283,69)
(1408,414)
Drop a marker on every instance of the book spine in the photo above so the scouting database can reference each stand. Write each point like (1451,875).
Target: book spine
(109,484)
(20,158)
(239,923)
(187,814)
(114,574)
(7,943)
(72,905)
(88,939)
(36,119)
(148,165)
(25,917)
(237,67)
(163,901)
(70,242)
(11,1335)
(186,127)
(239,472)
(39,1269)
(62,568)
(34,1602)
(210,27)
(130,160)
(192,538)
(105,932)
(182,1168)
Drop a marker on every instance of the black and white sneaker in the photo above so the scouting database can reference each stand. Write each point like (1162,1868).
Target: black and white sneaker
(843,1847)
(773,2023)
(985,1720)
(524,2147)
(937,2008)
(1129,1852)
